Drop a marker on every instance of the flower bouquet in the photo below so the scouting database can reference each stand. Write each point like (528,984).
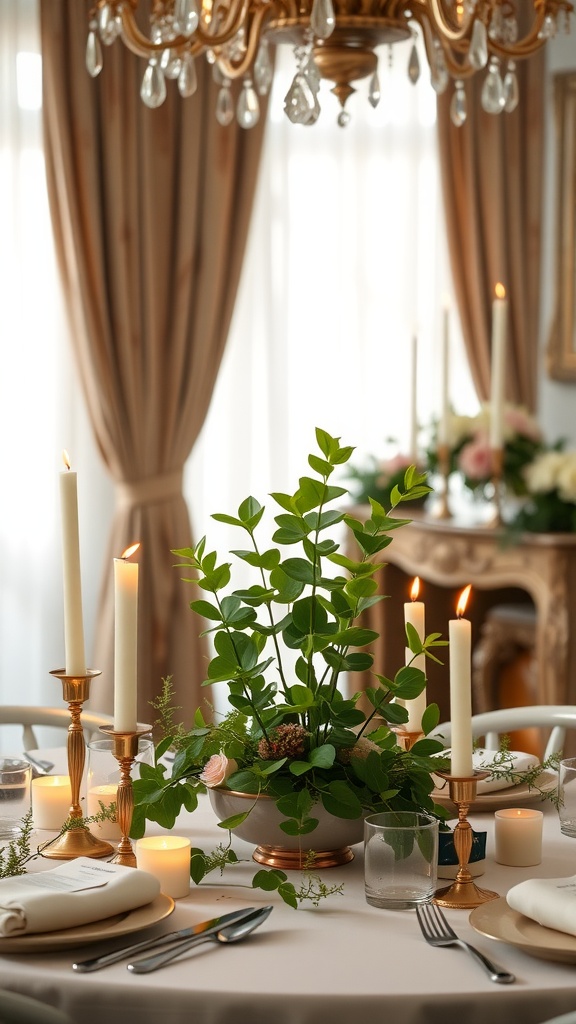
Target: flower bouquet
(286,647)
(550,482)
(471,454)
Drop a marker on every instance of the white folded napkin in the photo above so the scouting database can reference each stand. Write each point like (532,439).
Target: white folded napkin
(482,760)
(549,901)
(75,893)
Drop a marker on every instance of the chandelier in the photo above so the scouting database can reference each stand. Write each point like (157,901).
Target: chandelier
(332,39)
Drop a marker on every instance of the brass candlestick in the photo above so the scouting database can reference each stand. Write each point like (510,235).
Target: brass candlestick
(125,749)
(441,510)
(463,893)
(495,518)
(77,841)
(405,738)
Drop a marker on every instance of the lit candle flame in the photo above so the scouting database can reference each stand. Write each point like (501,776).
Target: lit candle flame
(500,291)
(66,459)
(415,588)
(130,551)
(463,600)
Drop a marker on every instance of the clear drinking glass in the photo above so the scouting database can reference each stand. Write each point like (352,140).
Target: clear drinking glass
(400,859)
(567,796)
(103,778)
(15,777)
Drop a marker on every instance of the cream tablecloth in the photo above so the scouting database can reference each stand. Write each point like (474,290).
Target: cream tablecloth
(343,963)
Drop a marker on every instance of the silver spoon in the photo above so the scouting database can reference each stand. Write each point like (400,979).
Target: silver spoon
(232,933)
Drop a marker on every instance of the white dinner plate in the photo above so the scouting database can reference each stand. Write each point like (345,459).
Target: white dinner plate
(512,796)
(109,928)
(497,920)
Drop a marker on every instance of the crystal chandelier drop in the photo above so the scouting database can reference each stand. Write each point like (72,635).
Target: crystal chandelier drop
(332,39)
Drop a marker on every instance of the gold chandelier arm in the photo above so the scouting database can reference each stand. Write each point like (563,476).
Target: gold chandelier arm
(142,46)
(453,35)
(233,69)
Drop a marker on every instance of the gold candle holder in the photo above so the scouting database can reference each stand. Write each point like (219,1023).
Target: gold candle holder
(463,893)
(77,841)
(495,518)
(405,738)
(125,749)
(441,510)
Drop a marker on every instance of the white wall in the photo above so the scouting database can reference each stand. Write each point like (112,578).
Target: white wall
(557,399)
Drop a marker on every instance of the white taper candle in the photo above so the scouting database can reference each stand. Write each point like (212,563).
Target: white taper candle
(498,367)
(460,640)
(73,624)
(125,641)
(415,615)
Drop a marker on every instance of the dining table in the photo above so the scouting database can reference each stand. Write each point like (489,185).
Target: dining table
(342,961)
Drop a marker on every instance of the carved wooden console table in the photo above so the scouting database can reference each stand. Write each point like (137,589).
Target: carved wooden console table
(447,556)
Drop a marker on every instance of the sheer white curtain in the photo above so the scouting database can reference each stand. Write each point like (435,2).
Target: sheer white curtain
(40,408)
(346,262)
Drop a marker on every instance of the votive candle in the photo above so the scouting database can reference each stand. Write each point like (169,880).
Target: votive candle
(518,836)
(168,859)
(51,801)
(106,795)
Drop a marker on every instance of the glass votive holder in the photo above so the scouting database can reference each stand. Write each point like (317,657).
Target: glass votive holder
(567,796)
(103,778)
(518,837)
(15,778)
(400,859)
(51,801)
(168,859)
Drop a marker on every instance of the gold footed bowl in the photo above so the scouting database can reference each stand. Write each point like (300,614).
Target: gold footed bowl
(331,839)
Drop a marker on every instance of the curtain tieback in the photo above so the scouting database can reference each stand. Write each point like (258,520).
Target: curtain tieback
(152,490)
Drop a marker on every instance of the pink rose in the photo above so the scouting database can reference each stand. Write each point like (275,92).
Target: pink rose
(519,421)
(475,460)
(217,770)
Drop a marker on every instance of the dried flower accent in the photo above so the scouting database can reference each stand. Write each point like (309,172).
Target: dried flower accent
(288,740)
(360,750)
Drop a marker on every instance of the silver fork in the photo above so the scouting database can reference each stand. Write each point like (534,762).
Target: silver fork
(437,932)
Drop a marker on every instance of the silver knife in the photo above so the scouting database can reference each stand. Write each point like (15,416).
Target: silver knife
(204,928)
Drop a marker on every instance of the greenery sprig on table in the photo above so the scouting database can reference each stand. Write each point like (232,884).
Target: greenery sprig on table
(283,646)
(18,852)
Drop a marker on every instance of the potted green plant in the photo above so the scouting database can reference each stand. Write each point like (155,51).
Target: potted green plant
(284,646)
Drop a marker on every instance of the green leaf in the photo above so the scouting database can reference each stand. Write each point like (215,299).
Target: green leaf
(320,466)
(268,880)
(233,821)
(298,569)
(209,611)
(322,757)
(430,718)
(197,866)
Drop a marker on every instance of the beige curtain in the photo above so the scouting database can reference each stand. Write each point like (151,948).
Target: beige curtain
(150,212)
(492,170)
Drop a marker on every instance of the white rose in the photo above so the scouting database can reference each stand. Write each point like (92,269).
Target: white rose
(567,478)
(542,475)
(217,770)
